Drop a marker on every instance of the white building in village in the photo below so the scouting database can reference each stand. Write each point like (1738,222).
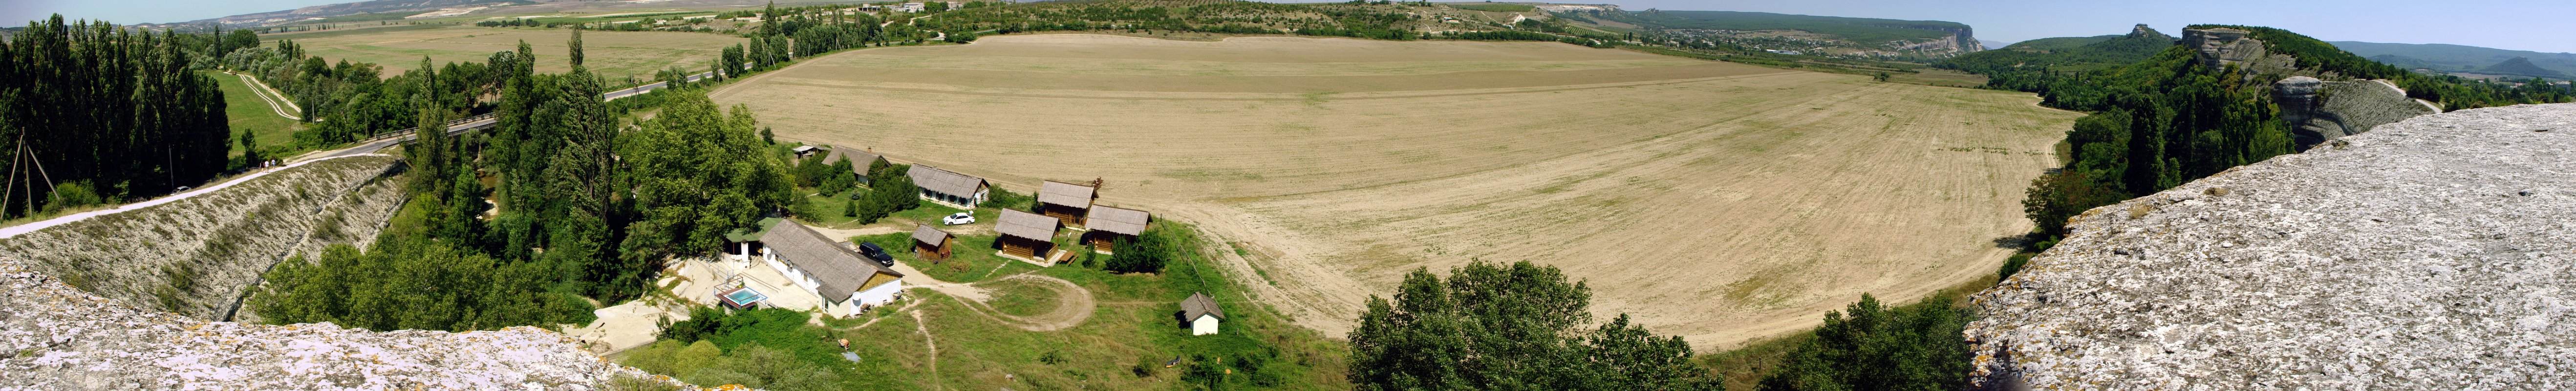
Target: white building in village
(814,273)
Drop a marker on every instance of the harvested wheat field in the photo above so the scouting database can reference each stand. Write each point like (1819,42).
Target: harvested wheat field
(611,54)
(1712,200)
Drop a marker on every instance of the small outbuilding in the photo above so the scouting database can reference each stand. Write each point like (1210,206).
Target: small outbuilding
(949,187)
(860,160)
(803,150)
(931,243)
(1067,202)
(1026,234)
(1108,224)
(1200,314)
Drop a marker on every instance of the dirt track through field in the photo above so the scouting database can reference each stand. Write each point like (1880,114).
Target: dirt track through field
(1712,200)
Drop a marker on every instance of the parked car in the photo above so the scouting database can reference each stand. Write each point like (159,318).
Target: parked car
(959,218)
(877,253)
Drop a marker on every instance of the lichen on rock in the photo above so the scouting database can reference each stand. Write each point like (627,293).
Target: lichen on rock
(2437,252)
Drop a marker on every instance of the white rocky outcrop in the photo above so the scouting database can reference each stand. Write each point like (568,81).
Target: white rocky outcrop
(54,337)
(2437,252)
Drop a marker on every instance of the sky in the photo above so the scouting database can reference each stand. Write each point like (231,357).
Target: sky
(2535,25)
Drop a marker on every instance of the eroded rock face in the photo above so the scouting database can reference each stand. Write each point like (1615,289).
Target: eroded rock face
(2319,111)
(54,337)
(2437,252)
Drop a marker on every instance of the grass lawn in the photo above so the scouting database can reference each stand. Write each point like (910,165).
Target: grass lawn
(246,111)
(972,259)
(1122,347)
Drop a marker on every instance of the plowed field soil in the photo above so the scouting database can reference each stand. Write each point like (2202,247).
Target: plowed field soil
(1713,200)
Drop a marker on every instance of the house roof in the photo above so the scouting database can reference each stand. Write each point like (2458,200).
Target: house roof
(926,234)
(753,233)
(1115,219)
(944,181)
(840,271)
(859,159)
(1200,303)
(1026,225)
(1067,194)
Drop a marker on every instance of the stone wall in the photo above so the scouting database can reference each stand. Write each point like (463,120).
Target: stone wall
(2438,252)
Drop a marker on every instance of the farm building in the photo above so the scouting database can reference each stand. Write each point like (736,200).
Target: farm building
(931,243)
(1067,202)
(860,160)
(1026,234)
(807,261)
(949,187)
(1108,224)
(1200,314)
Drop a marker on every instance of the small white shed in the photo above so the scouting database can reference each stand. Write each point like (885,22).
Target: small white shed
(1200,314)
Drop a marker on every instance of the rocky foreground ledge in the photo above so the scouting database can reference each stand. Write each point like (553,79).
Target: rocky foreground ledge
(2434,253)
(54,337)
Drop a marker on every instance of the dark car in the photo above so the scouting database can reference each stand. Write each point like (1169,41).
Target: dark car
(877,253)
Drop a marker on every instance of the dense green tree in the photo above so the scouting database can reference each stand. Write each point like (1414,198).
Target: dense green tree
(575,46)
(1871,347)
(1509,327)
(697,173)
(113,107)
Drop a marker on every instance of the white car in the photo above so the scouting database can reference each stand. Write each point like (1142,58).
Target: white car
(959,218)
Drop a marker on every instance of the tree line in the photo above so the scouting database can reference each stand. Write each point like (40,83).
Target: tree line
(94,112)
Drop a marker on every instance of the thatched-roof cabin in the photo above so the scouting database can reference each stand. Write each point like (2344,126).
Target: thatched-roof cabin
(1067,202)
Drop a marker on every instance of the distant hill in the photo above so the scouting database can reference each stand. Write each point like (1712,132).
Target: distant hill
(1854,29)
(2058,43)
(2456,58)
(1829,34)
(2065,54)
(2519,66)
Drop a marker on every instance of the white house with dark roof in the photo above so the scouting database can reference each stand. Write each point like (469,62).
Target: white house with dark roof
(1200,314)
(949,187)
(807,261)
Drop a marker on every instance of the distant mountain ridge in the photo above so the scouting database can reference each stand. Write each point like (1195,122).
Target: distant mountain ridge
(1928,36)
(2457,58)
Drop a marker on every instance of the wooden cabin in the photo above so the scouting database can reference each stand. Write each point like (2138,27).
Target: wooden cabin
(1108,224)
(1026,234)
(1066,202)
(931,243)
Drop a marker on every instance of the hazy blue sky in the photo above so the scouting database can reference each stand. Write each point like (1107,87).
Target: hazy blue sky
(2537,25)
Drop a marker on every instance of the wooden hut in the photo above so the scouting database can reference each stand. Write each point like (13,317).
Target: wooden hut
(1066,202)
(1109,223)
(1026,234)
(931,243)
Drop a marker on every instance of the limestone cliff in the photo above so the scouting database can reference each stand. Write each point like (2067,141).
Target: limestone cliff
(2319,111)
(2438,252)
(197,256)
(124,300)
